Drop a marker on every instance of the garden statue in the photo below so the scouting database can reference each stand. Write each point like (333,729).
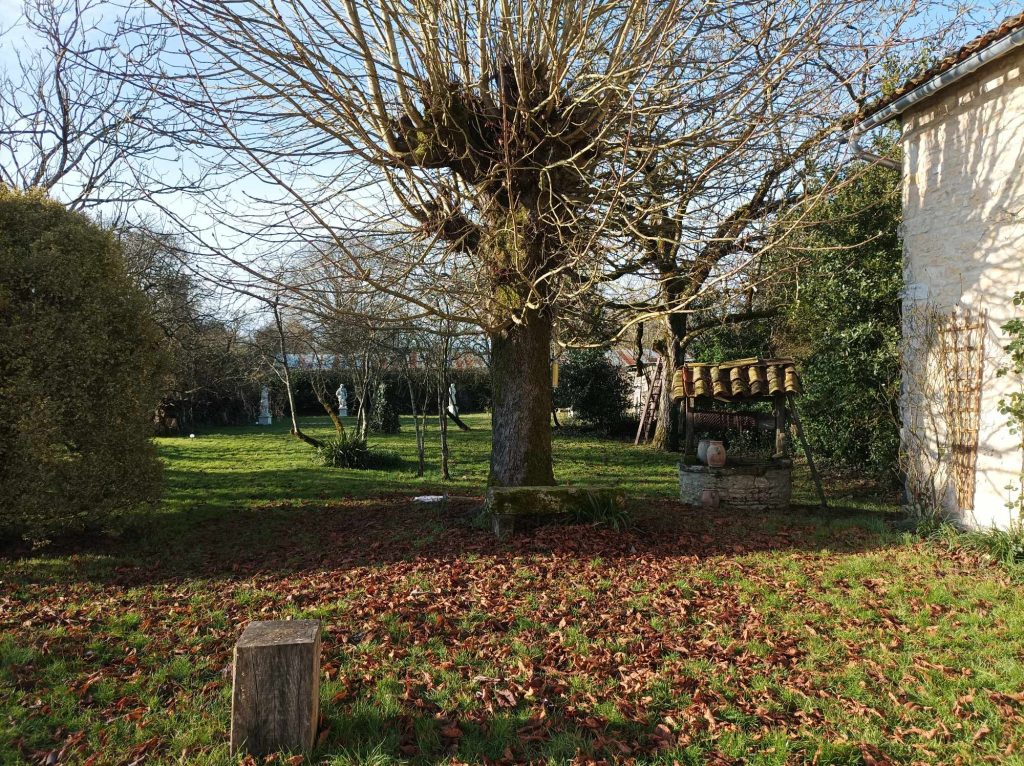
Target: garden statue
(264,419)
(342,395)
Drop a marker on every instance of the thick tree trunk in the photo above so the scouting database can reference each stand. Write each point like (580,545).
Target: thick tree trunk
(521,419)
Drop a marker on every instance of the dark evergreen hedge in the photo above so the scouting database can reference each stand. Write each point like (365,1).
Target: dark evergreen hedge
(79,375)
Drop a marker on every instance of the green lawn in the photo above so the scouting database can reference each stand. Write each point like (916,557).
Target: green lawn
(221,469)
(692,638)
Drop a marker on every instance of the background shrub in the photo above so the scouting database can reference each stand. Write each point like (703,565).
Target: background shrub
(347,451)
(384,414)
(79,374)
(593,387)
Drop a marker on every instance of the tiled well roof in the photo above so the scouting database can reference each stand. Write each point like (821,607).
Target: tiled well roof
(1010,25)
(738,380)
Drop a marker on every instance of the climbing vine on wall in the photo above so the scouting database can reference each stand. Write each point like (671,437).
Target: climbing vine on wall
(962,345)
(1012,405)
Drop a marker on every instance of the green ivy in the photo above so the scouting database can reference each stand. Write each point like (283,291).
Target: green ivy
(1012,405)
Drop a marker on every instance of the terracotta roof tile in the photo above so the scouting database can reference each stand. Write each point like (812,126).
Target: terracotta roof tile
(1009,25)
(741,379)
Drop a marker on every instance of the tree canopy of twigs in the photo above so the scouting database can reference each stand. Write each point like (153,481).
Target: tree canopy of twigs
(513,163)
(72,122)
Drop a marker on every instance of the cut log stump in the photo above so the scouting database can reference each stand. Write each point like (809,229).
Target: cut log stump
(275,691)
(506,504)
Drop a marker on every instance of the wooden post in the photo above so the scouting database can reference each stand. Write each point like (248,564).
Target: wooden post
(689,447)
(781,427)
(807,451)
(275,694)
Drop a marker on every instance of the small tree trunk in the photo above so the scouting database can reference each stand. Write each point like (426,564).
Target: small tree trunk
(364,384)
(442,418)
(339,428)
(458,421)
(363,418)
(287,377)
(666,434)
(521,418)
(419,423)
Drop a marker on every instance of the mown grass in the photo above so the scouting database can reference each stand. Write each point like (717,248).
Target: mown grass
(220,468)
(692,638)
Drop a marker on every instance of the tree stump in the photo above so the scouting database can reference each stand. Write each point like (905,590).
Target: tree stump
(275,693)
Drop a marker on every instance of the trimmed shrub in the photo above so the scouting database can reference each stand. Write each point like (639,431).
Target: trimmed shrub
(79,375)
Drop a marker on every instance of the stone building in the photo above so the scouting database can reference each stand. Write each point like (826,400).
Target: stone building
(963,232)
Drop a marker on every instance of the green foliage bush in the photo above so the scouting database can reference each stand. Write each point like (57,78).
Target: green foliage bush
(79,375)
(384,416)
(347,451)
(845,327)
(593,387)
(1012,405)
(839,317)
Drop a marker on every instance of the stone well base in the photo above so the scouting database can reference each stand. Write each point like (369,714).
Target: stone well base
(751,486)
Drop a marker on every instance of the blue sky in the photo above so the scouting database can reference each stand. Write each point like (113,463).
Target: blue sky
(983,14)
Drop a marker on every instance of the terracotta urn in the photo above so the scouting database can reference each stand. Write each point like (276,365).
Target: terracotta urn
(709,499)
(715,454)
(702,450)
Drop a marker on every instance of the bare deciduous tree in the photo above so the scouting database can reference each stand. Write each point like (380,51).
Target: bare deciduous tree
(71,121)
(495,154)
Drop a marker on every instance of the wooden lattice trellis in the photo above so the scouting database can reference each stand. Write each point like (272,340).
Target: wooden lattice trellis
(962,345)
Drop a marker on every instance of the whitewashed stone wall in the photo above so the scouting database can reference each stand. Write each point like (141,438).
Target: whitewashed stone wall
(963,231)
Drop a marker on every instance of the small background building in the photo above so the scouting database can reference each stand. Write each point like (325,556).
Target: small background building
(639,379)
(963,233)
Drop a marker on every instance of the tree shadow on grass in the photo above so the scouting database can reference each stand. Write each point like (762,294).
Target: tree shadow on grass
(362,734)
(280,537)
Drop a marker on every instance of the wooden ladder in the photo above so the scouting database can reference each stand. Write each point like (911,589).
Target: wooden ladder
(650,411)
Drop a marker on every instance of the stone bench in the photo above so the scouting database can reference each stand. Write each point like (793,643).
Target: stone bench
(505,504)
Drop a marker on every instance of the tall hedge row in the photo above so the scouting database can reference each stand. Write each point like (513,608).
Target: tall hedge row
(79,364)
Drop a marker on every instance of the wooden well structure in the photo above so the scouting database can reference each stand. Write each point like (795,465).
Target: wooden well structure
(738,382)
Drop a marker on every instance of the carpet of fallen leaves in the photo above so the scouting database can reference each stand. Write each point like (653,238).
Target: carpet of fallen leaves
(688,639)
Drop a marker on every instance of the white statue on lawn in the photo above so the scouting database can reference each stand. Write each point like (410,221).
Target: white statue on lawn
(265,419)
(342,395)
(453,405)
